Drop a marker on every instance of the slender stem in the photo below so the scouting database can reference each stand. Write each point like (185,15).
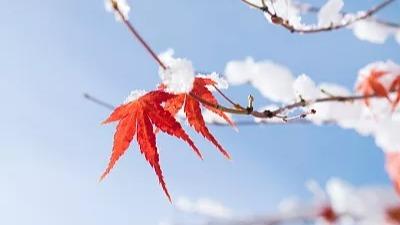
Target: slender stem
(98,101)
(236,105)
(252,4)
(140,38)
(219,107)
(264,114)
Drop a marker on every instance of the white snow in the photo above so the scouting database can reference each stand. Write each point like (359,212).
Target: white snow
(387,135)
(368,203)
(179,75)
(134,95)
(330,13)
(377,120)
(392,69)
(370,30)
(341,112)
(211,118)
(220,81)
(290,205)
(272,80)
(365,205)
(305,88)
(286,10)
(123,6)
(276,83)
(204,207)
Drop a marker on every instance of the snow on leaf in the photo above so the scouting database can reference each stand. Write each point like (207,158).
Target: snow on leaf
(139,116)
(134,95)
(378,78)
(369,203)
(218,81)
(178,78)
(371,85)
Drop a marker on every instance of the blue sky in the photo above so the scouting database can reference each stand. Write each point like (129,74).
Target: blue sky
(53,148)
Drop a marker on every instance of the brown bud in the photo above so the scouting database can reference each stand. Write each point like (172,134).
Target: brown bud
(276,19)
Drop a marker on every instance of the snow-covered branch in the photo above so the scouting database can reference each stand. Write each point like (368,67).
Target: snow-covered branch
(330,17)
(340,203)
(370,109)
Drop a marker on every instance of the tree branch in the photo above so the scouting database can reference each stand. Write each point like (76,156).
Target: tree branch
(238,109)
(267,114)
(284,23)
(315,9)
(137,35)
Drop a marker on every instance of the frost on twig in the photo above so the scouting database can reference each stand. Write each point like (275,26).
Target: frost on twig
(333,103)
(339,203)
(288,14)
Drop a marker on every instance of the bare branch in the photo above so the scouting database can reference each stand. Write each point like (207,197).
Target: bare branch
(98,101)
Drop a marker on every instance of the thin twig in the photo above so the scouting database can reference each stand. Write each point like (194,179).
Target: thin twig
(137,35)
(265,114)
(109,106)
(236,105)
(98,101)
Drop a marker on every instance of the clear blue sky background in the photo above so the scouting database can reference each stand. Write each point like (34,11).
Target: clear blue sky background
(53,148)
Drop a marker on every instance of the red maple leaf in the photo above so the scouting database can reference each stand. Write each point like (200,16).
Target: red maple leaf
(192,109)
(396,87)
(393,169)
(372,86)
(138,117)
